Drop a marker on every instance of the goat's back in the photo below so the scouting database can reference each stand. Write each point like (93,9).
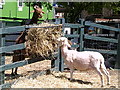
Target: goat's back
(84,60)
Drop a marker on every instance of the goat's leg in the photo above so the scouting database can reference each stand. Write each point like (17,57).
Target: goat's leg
(16,71)
(106,73)
(12,72)
(101,76)
(71,74)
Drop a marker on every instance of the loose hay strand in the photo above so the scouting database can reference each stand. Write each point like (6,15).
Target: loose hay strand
(42,41)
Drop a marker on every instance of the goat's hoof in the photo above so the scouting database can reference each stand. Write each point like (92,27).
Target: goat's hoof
(108,83)
(16,74)
(71,80)
(12,74)
(102,85)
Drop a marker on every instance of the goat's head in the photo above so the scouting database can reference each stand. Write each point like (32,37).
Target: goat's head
(64,41)
(37,12)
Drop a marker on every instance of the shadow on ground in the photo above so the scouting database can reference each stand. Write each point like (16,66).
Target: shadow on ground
(74,80)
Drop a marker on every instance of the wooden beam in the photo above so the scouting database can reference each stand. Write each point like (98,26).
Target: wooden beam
(6,85)
(72,35)
(2,59)
(9,30)
(102,26)
(102,51)
(100,38)
(20,63)
(31,26)
(117,65)
(73,25)
(81,34)
(11,48)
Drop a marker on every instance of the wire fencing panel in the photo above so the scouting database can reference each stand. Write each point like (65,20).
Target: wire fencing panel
(2,57)
(117,65)
(7,31)
(103,39)
(105,43)
(108,45)
(4,49)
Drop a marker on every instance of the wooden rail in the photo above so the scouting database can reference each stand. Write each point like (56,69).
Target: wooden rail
(20,63)
(11,48)
(102,26)
(102,51)
(73,25)
(83,36)
(59,62)
(12,29)
(6,49)
(100,38)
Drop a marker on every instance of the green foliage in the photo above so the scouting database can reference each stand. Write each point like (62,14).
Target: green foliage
(75,8)
(48,5)
(45,4)
(116,7)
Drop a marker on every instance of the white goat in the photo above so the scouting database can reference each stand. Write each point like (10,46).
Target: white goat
(83,60)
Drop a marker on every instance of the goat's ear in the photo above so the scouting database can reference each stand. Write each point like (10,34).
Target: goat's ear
(69,44)
(32,11)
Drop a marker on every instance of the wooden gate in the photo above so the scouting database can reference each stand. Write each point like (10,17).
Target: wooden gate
(84,38)
(59,62)
(10,48)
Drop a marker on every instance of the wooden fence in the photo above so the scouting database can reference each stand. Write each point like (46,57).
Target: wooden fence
(5,49)
(59,62)
(81,40)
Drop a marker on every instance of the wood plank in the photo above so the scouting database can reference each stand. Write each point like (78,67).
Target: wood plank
(102,51)
(9,34)
(61,63)
(11,48)
(117,64)
(20,63)
(73,25)
(75,46)
(2,59)
(57,61)
(6,85)
(12,29)
(72,35)
(100,38)
(32,26)
(102,26)
(81,41)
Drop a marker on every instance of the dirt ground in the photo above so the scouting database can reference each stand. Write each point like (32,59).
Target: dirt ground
(30,77)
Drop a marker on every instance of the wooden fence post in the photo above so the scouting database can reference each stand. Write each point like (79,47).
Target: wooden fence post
(117,65)
(61,64)
(57,61)
(2,58)
(81,41)
(58,64)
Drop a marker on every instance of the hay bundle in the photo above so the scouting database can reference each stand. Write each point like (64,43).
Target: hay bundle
(42,41)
